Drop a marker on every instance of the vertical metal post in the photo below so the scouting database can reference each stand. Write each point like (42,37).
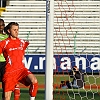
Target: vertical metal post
(1,3)
(49,50)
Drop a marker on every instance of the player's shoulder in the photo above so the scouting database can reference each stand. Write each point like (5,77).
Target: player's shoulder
(23,41)
(20,40)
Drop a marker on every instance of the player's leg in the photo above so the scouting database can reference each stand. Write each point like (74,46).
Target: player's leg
(7,95)
(2,91)
(9,82)
(33,87)
(31,80)
(2,69)
(16,92)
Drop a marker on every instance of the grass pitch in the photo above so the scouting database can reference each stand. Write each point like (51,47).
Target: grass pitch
(25,94)
(64,94)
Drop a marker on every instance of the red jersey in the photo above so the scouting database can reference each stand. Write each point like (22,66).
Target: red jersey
(13,51)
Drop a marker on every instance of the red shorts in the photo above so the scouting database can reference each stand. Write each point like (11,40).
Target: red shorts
(11,79)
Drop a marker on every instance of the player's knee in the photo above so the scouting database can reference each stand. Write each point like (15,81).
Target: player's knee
(34,80)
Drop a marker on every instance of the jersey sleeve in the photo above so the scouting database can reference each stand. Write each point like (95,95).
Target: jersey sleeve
(26,43)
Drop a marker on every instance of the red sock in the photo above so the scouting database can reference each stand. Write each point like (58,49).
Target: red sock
(16,93)
(33,89)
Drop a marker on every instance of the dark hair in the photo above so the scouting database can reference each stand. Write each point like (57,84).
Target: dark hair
(6,29)
(11,24)
(74,68)
(1,20)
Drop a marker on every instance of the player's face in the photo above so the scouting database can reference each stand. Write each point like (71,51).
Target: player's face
(2,25)
(14,31)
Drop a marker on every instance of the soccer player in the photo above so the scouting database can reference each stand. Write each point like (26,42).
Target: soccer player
(3,36)
(13,49)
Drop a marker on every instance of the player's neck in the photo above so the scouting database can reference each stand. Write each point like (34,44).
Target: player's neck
(13,38)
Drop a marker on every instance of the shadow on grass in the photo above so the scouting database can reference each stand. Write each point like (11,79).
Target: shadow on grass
(26,91)
(40,94)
